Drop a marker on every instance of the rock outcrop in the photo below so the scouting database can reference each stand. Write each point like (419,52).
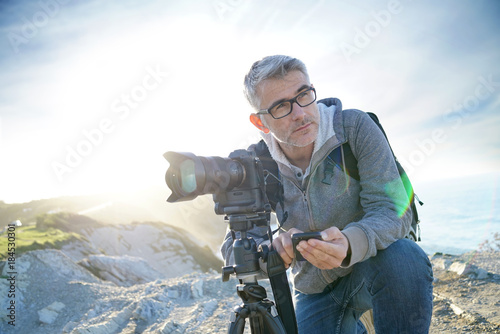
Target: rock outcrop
(167,250)
(112,280)
(55,295)
(122,270)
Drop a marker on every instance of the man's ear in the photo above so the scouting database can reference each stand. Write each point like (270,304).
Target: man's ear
(255,119)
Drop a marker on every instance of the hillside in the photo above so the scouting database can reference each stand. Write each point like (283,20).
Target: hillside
(195,216)
(71,260)
(169,250)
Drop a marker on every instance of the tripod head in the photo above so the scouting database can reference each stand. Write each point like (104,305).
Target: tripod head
(246,256)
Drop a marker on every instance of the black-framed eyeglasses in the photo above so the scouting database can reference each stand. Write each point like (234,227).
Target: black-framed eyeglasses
(284,108)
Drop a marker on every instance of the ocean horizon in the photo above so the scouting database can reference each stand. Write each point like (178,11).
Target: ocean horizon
(459,214)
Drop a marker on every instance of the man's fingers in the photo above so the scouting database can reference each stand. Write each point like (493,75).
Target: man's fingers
(331,234)
(327,261)
(283,245)
(325,254)
(283,254)
(288,246)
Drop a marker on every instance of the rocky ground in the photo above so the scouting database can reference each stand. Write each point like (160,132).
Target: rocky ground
(466,293)
(54,294)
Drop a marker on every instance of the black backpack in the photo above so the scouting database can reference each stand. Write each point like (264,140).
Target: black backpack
(274,188)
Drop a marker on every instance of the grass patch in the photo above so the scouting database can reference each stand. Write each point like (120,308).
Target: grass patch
(29,238)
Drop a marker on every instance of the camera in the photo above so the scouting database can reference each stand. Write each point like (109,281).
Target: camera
(237,182)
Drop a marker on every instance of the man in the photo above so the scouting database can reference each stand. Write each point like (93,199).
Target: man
(363,260)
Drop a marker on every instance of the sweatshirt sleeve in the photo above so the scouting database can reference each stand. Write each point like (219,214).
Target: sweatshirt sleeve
(382,196)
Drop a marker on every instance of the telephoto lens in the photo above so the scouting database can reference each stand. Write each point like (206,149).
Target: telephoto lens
(190,176)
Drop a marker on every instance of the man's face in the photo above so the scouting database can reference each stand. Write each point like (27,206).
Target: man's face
(300,127)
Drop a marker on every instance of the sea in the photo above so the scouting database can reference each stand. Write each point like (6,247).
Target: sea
(459,214)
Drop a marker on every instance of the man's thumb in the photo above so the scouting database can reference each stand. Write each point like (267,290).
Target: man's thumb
(330,233)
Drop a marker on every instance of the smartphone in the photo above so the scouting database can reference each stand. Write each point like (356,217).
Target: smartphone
(298,237)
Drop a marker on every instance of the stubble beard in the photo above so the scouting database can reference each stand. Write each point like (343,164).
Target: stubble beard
(297,143)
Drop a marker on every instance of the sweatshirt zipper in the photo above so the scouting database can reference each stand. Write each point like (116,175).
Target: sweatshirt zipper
(305,193)
(305,198)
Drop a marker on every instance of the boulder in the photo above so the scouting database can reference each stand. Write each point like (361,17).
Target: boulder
(48,314)
(122,270)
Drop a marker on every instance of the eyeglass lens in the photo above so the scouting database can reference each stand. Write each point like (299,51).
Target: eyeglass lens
(303,99)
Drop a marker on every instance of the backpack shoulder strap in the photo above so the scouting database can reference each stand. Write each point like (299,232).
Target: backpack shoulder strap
(343,158)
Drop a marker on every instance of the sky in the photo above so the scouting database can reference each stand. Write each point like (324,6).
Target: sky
(93,93)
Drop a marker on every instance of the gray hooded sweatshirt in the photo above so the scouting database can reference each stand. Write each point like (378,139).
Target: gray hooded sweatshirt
(372,212)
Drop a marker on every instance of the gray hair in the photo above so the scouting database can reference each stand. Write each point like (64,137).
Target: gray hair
(271,67)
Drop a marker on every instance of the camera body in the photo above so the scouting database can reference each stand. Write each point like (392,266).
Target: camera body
(250,195)
(237,182)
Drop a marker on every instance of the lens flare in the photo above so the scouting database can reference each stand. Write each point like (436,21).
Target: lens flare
(392,189)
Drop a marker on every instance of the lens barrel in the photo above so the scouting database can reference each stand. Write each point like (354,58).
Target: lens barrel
(190,176)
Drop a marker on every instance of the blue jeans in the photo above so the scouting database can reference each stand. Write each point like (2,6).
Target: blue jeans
(396,284)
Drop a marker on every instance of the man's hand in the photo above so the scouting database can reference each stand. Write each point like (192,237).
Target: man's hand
(326,254)
(283,245)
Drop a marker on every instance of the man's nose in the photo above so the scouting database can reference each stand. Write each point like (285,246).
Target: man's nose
(297,111)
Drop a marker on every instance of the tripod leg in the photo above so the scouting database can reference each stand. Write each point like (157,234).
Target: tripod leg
(264,320)
(237,322)
(257,325)
(272,322)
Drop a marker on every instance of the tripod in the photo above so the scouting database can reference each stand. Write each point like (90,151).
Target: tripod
(264,317)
